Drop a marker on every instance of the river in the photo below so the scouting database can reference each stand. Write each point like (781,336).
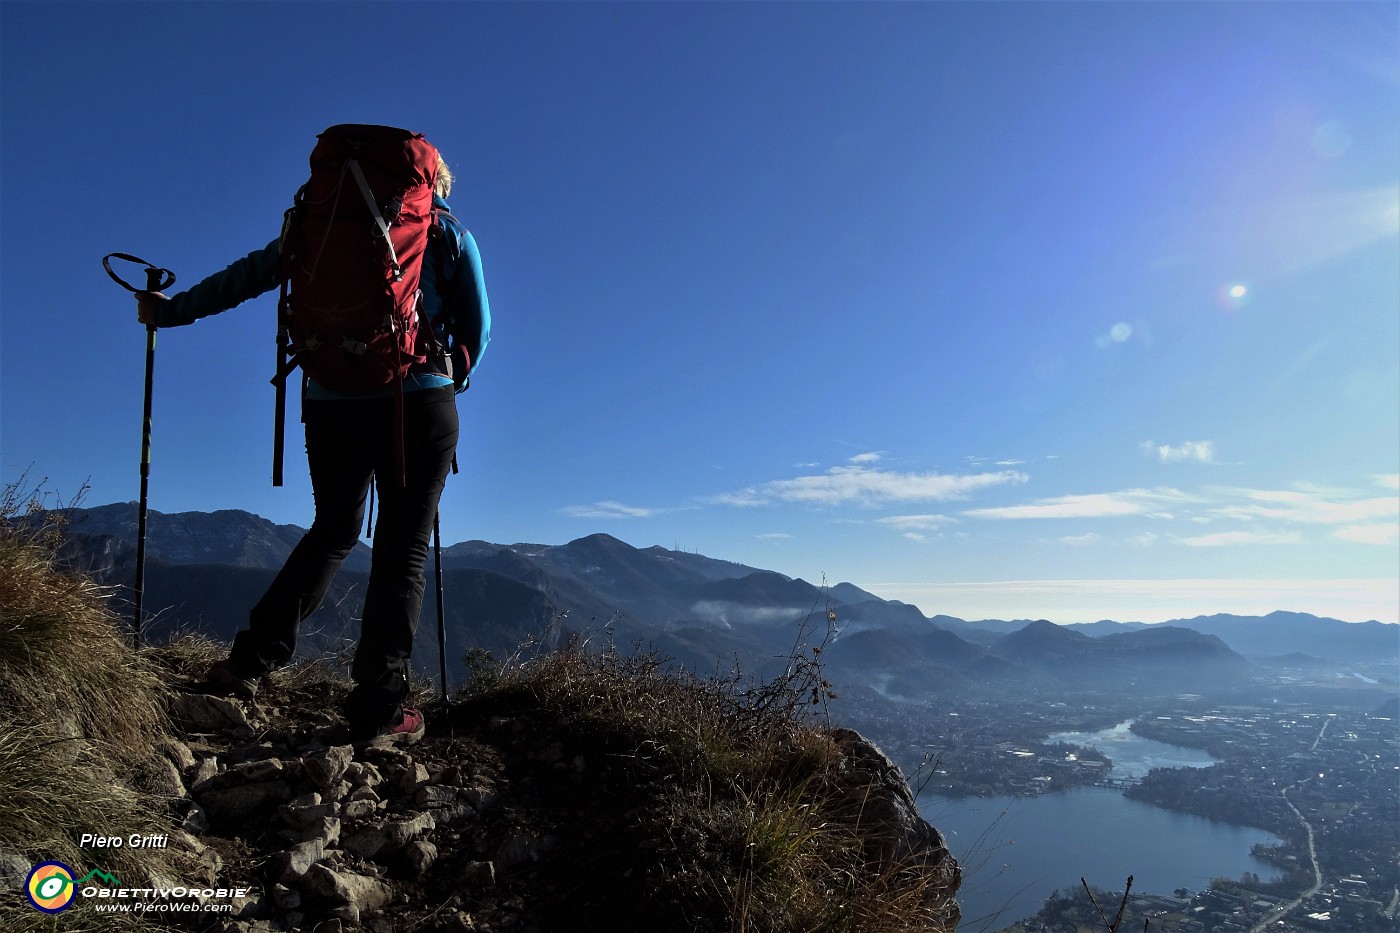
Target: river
(1016,851)
(1132,755)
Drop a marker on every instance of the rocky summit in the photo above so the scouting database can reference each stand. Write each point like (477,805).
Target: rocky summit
(509,816)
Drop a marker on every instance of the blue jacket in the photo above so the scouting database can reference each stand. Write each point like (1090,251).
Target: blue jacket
(454,296)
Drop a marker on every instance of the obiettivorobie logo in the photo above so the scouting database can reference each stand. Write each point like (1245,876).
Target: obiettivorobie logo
(51,887)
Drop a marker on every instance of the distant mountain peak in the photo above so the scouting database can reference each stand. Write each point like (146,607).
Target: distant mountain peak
(600,538)
(1043,630)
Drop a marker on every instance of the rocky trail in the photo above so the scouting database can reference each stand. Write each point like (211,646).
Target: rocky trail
(500,819)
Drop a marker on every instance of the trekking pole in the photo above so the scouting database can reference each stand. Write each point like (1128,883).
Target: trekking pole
(442,624)
(437,572)
(156,279)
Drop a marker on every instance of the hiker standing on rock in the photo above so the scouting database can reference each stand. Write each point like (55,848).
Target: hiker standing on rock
(370,230)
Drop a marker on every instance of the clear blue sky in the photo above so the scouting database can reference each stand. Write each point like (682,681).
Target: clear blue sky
(1065,310)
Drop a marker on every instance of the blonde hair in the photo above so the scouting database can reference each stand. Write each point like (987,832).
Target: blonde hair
(444,179)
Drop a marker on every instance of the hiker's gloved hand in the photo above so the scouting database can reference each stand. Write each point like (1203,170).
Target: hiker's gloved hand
(146,305)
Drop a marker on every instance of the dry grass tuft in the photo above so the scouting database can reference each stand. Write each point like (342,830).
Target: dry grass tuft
(64,662)
(747,830)
(81,714)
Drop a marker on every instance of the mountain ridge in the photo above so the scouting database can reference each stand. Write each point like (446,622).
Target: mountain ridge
(698,609)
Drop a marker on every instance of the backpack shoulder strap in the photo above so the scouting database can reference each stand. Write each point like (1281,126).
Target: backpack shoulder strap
(448,231)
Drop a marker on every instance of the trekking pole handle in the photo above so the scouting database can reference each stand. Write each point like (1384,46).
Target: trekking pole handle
(156,277)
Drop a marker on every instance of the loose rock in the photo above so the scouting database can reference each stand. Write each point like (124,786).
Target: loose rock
(327,768)
(389,837)
(359,809)
(198,712)
(179,754)
(418,857)
(291,866)
(326,831)
(478,875)
(345,887)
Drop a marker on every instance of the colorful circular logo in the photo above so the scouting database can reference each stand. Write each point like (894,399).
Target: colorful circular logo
(50,887)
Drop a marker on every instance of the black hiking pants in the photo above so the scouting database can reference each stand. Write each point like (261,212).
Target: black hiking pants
(347,443)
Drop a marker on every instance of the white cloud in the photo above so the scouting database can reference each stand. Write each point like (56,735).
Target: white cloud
(743,498)
(1196,451)
(917,522)
(607,509)
(915,536)
(871,457)
(859,484)
(1370,534)
(1146,539)
(775,536)
(1389,481)
(1079,540)
(1231,538)
(1096,505)
(1010,462)
(1311,506)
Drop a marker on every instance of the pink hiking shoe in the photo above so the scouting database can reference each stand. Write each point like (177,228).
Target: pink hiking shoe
(408,731)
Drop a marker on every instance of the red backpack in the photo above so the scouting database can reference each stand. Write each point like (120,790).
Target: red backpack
(352,259)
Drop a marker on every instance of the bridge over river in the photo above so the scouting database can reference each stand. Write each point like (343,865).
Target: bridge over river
(1122,783)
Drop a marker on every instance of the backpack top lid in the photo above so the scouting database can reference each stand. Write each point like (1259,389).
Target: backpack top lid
(385,145)
(367,132)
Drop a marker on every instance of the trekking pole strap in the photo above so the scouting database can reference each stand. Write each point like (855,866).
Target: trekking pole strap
(156,277)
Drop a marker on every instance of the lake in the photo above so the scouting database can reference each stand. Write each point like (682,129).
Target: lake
(1016,851)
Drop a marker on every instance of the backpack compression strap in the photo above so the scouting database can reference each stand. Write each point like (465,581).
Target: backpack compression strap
(378,217)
